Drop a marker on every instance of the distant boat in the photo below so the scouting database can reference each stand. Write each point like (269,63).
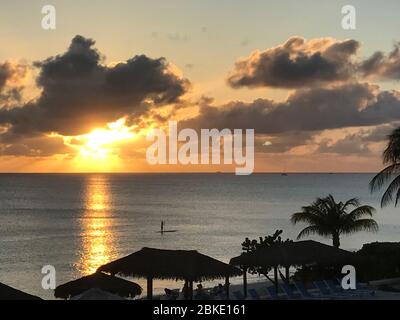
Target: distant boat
(284,170)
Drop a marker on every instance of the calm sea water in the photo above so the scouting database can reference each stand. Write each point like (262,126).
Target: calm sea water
(78,222)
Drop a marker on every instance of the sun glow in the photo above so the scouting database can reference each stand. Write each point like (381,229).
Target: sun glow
(98,150)
(101,143)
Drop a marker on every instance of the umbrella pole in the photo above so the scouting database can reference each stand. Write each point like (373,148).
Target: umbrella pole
(287,275)
(149,288)
(245,282)
(276,278)
(227,286)
(191,289)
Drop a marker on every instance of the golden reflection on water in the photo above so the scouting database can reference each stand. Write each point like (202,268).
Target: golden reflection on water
(96,224)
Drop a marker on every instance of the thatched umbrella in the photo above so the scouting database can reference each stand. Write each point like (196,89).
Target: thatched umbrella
(288,254)
(187,265)
(101,281)
(9,293)
(97,294)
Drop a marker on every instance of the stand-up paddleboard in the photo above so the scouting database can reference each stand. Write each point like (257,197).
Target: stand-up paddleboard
(163,228)
(167,231)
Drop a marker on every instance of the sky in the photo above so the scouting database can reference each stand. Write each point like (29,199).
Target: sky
(84,96)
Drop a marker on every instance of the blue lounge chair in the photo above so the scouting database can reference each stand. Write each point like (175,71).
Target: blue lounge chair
(272,292)
(333,286)
(362,290)
(333,293)
(239,295)
(322,288)
(254,294)
(289,292)
(359,285)
(303,291)
(339,291)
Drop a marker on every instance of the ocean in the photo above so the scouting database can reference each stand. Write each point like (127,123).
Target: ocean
(77,222)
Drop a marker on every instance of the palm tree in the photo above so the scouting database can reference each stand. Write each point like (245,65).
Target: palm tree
(328,218)
(391,157)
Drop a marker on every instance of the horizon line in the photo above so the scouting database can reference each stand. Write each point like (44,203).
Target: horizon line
(194,172)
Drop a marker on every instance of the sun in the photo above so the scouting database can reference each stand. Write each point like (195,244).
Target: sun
(100,143)
(100,146)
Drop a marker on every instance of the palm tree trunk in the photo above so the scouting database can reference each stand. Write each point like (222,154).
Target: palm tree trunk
(336,239)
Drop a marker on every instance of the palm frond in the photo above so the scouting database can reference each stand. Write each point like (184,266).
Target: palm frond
(306,217)
(383,177)
(392,188)
(311,230)
(392,151)
(361,211)
(361,225)
(397,197)
(354,202)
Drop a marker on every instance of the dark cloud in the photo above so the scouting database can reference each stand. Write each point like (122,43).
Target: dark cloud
(10,78)
(352,144)
(11,96)
(41,146)
(11,72)
(283,142)
(379,133)
(79,92)
(297,63)
(5,74)
(381,65)
(358,143)
(349,105)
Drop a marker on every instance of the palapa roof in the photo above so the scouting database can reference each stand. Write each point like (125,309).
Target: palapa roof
(295,253)
(170,264)
(97,294)
(9,293)
(100,281)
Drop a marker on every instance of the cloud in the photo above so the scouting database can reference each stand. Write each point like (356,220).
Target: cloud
(349,145)
(381,65)
(5,74)
(41,146)
(282,142)
(350,105)
(358,143)
(10,72)
(11,77)
(297,63)
(79,92)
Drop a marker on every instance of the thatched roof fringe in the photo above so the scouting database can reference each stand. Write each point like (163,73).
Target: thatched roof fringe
(170,264)
(101,281)
(9,293)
